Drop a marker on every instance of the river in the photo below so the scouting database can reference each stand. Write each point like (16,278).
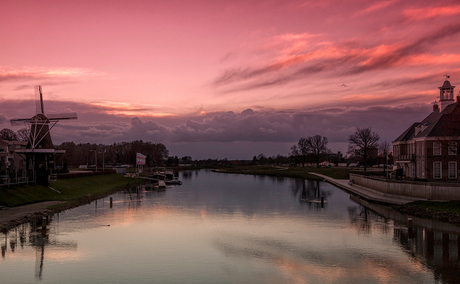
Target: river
(226,228)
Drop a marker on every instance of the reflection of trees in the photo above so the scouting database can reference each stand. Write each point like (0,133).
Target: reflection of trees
(309,192)
(187,174)
(36,235)
(135,195)
(363,219)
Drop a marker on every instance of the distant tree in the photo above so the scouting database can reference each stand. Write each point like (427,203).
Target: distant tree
(262,159)
(8,134)
(317,148)
(299,151)
(186,160)
(118,153)
(23,134)
(313,147)
(384,149)
(362,143)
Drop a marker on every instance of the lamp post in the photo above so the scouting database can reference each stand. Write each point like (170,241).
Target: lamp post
(95,155)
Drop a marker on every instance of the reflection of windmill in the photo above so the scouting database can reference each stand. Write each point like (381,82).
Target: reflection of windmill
(40,151)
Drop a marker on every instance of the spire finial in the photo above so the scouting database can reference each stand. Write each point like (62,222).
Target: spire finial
(447,76)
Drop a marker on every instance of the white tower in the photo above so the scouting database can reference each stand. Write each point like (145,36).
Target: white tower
(446,94)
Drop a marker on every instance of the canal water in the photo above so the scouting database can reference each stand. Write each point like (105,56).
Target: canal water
(225,228)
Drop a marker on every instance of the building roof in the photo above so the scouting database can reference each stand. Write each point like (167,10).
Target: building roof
(408,134)
(446,84)
(436,124)
(446,124)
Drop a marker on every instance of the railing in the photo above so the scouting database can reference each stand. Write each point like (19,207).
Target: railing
(408,157)
(7,181)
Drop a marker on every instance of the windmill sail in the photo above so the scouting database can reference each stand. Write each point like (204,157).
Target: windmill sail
(40,124)
(39,100)
(59,116)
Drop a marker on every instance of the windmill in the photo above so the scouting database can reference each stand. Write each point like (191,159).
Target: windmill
(39,125)
(40,153)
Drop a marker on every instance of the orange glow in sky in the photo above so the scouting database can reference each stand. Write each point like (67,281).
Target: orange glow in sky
(176,62)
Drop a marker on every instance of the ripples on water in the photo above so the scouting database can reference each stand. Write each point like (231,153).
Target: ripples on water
(224,228)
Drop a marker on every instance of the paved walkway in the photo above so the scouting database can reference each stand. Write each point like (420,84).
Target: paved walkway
(16,213)
(368,193)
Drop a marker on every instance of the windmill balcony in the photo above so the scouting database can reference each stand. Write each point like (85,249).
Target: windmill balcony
(407,157)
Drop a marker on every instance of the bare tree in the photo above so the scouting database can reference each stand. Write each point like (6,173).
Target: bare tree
(8,134)
(317,148)
(23,134)
(300,150)
(384,148)
(362,143)
(314,147)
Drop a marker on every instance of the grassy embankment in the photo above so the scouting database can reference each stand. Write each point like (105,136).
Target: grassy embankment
(446,211)
(438,206)
(71,190)
(337,173)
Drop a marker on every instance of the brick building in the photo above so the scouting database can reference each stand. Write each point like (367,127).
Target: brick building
(428,150)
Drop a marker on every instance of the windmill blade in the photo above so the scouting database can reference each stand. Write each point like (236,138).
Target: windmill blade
(39,100)
(19,121)
(59,116)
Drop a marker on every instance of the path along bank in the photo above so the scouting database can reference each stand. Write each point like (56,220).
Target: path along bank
(27,203)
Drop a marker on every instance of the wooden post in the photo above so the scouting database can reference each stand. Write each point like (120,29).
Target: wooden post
(322,201)
(410,231)
(110,202)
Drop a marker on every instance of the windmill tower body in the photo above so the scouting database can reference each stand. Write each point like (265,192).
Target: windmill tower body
(40,153)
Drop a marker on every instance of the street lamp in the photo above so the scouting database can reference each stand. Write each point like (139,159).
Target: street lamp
(95,155)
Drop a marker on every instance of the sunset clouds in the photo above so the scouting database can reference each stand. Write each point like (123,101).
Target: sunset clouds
(202,72)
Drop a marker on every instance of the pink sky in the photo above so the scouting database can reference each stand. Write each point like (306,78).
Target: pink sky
(184,72)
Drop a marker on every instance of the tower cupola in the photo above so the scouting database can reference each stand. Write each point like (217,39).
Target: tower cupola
(446,94)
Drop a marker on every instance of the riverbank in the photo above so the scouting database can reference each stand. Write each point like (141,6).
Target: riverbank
(446,211)
(443,211)
(275,171)
(34,201)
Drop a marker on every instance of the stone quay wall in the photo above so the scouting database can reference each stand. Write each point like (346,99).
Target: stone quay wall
(426,190)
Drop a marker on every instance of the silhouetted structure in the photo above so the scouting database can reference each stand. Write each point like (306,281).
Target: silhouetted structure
(40,153)
(429,149)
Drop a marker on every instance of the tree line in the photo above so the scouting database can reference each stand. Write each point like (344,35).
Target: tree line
(115,154)
(364,147)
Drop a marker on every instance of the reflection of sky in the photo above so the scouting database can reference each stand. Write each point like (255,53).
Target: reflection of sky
(219,228)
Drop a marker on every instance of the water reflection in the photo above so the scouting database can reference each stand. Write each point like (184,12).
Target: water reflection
(35,235)
(232,228)
(431,243)
(309,192)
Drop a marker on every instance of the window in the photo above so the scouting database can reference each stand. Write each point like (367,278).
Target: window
(437,149)
(423,169)
(452,170)
(437,170)
(452,148)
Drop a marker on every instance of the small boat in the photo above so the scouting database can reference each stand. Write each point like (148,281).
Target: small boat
(161,184)
(173,182)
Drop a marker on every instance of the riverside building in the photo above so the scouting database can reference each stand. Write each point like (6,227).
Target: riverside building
(429,150)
